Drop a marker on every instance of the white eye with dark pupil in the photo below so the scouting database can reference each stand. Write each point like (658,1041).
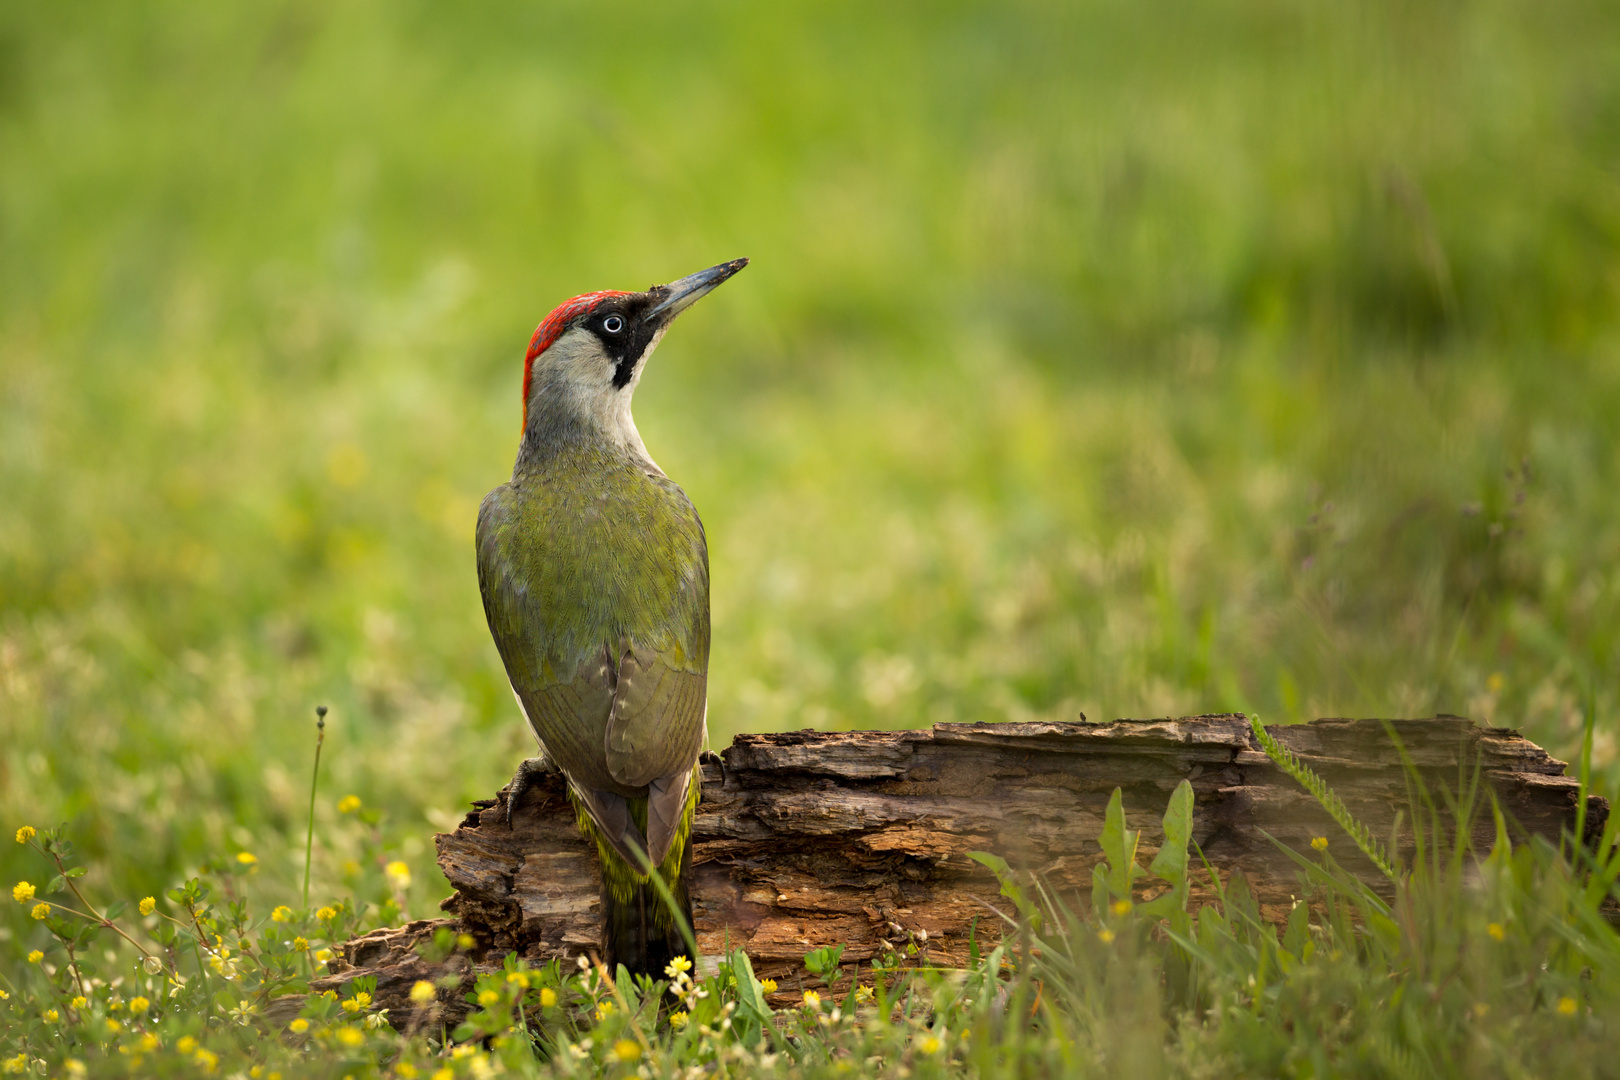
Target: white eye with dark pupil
(613,324)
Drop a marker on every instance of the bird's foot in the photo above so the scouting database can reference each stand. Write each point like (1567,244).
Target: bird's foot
(709,757)
(528,769)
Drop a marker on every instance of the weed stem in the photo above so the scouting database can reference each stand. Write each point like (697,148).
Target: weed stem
(314,782)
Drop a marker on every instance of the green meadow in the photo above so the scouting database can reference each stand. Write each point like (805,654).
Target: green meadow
(1094,358)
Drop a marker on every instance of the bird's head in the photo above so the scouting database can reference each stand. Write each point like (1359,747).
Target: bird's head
(586,356)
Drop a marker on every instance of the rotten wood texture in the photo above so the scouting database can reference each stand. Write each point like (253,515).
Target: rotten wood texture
(812,838)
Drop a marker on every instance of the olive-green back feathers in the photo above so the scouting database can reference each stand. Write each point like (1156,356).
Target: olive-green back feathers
(595,578)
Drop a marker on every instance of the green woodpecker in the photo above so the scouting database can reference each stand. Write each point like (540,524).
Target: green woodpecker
(595,577)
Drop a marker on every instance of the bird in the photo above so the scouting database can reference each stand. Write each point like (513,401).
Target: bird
(594,570)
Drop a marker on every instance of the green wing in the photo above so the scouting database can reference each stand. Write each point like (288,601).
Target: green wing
(596,588)
(655,727)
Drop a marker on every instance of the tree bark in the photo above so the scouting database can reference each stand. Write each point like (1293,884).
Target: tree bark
(860,839)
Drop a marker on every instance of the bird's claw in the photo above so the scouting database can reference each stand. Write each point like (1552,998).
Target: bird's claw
(708,757)
(527,770)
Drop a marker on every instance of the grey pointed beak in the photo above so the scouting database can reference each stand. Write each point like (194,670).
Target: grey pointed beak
(677,296)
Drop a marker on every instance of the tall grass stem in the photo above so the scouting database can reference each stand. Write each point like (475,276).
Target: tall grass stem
(314,782)
(668,897)
(1325,796)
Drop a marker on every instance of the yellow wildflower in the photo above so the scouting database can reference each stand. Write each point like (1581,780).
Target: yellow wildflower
(42,910)
(298,1026)
(22,892)
(16,1064)
(1496,930)
(548,998)
(627,1050)
(1105,935)
(399,874)
(300,944)
(326,914)
(518,978)
(604,1010)
(1120,907)
(139,1004)
(863,993)
(246,858)
(51,1016)
(929,1044)
(1566,1006)
(465,941)
(358,1002)
(4,996)
(281,913)
(406,1070)
(445,1073)
(25,834)
(677,966)
(207,1059)
(678,1019)
(812,1000)
(186,1044)
(348,804)
(323,955)
(488,997)
(35,956)
(74,1067)
(149,1042)
(148,905)
(1319,843)
(349,1035)
(768,985)
(79,1002)
(423,992)
(113,1026)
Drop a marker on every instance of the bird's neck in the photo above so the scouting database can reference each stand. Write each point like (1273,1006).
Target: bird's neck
(554,436)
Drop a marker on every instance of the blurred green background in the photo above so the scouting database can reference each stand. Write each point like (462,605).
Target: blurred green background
(1115,358)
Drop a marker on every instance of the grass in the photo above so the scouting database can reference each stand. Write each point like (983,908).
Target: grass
(1264,358)
(1487,963)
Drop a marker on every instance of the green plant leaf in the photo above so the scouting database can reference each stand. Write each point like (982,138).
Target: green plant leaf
(1170,863)
(1119,848)
(1009,885)
(750,995)
(823,962)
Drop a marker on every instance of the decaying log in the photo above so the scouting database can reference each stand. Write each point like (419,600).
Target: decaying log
(812,838)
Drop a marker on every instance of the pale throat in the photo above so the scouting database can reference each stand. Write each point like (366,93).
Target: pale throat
(573,403)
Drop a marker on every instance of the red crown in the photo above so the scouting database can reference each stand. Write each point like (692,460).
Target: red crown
(551,327)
